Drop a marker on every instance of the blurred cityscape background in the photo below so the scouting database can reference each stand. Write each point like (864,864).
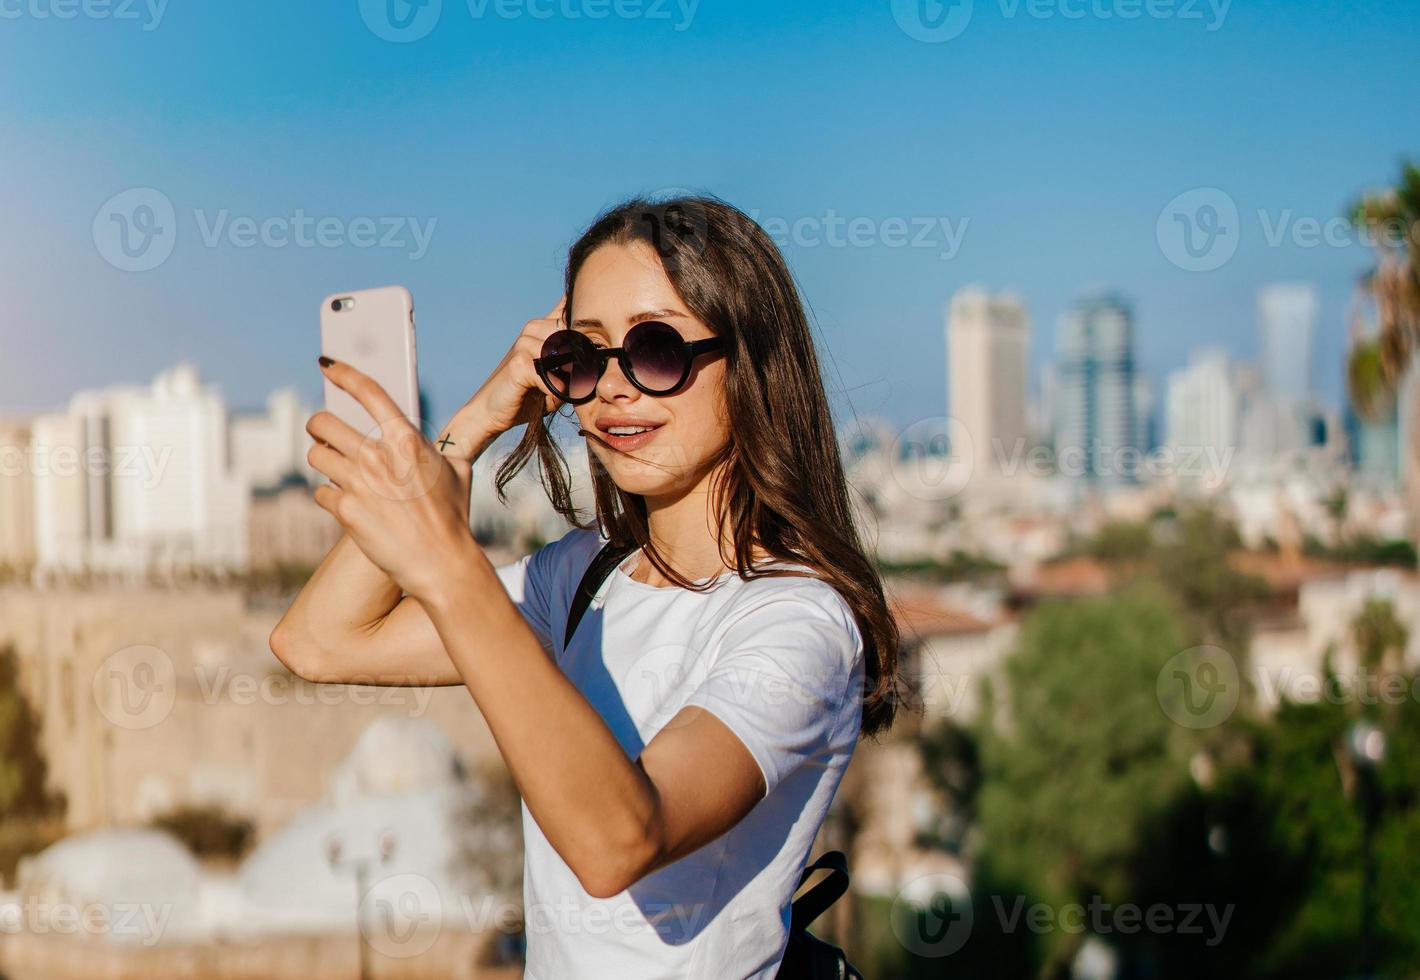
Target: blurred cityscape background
(1118,305)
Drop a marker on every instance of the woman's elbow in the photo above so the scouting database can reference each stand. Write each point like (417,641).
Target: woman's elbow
(607,879)
(295,652)
(617,864)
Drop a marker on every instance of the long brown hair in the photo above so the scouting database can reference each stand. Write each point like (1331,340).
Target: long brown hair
(782,486)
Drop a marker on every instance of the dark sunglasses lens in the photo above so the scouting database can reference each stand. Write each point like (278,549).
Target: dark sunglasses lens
(657,353)
(572,360)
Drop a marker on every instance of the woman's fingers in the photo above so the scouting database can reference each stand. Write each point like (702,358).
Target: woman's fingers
(370,394)
(326,427)
(329,499)
(334,465)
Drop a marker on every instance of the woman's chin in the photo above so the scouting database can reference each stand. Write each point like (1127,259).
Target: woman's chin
(647,472)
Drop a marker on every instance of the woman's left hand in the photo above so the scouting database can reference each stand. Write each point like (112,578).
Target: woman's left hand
(403,502)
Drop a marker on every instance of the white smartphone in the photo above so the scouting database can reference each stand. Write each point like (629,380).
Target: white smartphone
(372,329)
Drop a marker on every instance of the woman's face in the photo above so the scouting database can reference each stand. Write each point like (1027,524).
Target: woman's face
(617,287)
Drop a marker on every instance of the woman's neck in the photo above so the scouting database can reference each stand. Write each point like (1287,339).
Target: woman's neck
(686,536)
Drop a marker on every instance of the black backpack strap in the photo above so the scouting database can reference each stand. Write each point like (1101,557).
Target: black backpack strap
(812,903)
(602,565)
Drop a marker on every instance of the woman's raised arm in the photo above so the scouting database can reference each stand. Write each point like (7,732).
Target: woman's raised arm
(351,623)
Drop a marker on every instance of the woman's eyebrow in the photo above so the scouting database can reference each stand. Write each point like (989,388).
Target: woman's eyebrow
(638,318)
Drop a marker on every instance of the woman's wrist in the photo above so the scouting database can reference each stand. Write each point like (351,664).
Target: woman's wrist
(483,431)
(458,573)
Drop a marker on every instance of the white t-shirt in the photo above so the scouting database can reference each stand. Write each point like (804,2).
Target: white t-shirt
(780,662)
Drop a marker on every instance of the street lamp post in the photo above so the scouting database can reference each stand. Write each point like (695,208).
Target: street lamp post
(339,861)
(1366,746)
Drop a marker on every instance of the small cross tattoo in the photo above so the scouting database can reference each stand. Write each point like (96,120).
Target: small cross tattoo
(446,441)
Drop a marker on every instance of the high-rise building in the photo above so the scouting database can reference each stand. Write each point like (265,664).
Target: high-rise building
(1287,318)
(131,478)
(1096,393)
(1146,431)
(1204,413)
(268,446)
(987,340)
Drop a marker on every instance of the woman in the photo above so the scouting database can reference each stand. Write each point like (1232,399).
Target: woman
(678,756)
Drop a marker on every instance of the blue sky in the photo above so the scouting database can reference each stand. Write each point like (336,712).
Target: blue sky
(1042,147)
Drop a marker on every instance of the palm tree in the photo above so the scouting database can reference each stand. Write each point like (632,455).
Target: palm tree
(1380,359)
(1378,362)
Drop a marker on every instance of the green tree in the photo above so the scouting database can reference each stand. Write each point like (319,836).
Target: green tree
(1380,637)
(23,771)
(1081,754)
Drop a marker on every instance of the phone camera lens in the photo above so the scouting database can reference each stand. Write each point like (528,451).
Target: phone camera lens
(336,305)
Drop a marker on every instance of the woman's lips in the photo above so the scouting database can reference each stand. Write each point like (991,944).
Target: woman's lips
(628,444)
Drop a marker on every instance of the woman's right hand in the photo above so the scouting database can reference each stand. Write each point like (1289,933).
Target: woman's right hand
(510,395)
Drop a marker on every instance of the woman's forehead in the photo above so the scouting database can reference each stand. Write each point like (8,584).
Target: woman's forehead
(620,285)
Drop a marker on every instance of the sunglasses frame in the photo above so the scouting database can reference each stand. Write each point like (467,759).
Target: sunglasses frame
(691,349)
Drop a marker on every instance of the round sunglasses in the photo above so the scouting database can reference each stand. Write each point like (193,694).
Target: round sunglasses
(654,357)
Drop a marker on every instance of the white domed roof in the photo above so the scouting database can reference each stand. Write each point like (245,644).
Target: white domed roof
(402,784)
(120,869)
(393,757)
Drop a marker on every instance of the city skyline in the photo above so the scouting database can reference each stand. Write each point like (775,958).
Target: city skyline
(1043,189)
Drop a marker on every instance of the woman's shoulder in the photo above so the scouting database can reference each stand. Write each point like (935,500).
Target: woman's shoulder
(796,591)
(575,541)
(571,553)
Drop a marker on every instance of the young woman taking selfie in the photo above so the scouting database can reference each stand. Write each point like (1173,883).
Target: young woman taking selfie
(677,756)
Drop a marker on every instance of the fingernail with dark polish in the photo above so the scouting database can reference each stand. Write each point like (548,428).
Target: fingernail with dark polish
(325,361)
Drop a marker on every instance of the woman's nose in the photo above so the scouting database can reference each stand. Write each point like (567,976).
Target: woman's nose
(614,382)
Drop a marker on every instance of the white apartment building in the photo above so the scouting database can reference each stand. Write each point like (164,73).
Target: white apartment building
(987,340)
